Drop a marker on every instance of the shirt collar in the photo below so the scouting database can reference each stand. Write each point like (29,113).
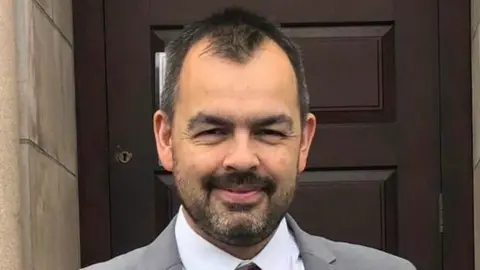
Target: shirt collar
(193,249)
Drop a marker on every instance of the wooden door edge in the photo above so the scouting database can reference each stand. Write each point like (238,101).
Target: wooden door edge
(456,134)
(92,130)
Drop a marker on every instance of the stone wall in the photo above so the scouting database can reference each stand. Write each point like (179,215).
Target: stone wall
(38,186)
(475,19)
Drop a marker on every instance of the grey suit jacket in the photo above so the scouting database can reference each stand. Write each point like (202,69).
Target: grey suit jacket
(317,253)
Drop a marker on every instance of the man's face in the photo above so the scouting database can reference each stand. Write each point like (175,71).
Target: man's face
(236,144)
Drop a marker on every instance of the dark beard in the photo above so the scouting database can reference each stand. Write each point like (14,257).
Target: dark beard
(240,235)
(243,234)
(235,179)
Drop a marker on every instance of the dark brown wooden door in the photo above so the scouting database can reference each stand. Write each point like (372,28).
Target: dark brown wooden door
(373,176)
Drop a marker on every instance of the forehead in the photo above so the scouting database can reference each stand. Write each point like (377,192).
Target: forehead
(264,84)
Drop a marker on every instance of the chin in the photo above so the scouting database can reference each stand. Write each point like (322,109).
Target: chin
(242,215)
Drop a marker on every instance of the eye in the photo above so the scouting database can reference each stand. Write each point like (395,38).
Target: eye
(271,132)
(212,132)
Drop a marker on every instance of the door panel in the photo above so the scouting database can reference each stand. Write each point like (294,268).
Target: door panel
(353,206)
(344,66)
(373,175)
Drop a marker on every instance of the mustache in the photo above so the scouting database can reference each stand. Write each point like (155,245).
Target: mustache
(238,178)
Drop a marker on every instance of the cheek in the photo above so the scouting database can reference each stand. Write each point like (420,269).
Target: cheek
(282,156)
(194,162)
(281,165)
(187,180)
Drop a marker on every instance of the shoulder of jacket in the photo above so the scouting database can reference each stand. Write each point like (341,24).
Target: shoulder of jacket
(365,258)
(127,261)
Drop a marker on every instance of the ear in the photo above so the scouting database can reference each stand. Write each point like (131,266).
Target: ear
(163,138)
(308,132)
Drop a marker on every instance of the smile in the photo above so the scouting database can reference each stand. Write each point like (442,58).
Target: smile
(239,195)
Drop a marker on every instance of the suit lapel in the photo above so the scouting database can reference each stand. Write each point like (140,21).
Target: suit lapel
(312,262)
(162,254)
(315,255)
(176,267)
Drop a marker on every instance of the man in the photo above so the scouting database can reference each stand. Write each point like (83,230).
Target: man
(235,131)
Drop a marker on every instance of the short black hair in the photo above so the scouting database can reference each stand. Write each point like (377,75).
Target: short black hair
(234,33)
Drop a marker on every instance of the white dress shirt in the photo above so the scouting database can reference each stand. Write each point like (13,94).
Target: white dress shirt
(196,253)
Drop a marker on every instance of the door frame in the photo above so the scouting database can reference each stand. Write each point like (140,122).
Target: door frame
(455,121)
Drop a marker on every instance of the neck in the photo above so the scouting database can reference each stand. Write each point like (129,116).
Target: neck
(243,253)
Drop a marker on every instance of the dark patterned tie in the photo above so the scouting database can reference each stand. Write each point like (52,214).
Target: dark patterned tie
(250,266)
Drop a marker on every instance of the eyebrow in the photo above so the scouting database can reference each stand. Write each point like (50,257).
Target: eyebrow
(279,119)
(208,119)
(227,121)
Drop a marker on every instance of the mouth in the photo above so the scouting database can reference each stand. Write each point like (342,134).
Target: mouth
(242,189)
(239,195)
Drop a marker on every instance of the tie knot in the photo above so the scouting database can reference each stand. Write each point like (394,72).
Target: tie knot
(250,266)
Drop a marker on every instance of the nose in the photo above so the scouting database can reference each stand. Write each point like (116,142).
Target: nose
(242,156)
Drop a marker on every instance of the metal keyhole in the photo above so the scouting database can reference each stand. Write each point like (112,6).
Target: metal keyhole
(124,156)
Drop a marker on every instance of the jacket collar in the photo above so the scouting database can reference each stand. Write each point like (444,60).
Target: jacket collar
(162,253)
(315,255)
